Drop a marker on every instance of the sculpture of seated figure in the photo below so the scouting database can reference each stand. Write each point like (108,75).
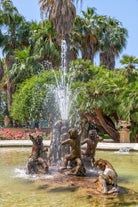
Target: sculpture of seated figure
(91,141)
(107,180)
(37,161)
(76,165)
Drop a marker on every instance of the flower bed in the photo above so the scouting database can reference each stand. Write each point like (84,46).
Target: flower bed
(18,134)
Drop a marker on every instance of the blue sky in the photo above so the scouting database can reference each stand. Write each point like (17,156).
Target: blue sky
(126,11)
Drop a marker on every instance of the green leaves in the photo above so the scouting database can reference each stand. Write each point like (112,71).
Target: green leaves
(111,91)
(28,101)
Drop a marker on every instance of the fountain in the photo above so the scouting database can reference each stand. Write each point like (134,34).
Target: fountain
(71,159)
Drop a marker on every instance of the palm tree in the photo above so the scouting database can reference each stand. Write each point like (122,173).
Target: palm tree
(13,35)
(43,43)
(112,39)
(42,53)
(129,61)
(83,35)
(62,14)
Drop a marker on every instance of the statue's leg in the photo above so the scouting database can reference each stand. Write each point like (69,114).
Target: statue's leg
(102,181)
(43,165)
(65,163)
(113,182)
(93,161)
(31,166)
(78,166)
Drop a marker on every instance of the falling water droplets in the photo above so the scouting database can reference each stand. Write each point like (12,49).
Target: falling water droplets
(62,91)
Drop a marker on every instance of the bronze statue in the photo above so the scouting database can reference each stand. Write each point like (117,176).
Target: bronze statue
(91,141)
(75,155)
(37,160)
(107,180)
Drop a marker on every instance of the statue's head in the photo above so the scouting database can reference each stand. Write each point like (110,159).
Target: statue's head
(73,133)
(39,139)
(92,133)
(101,164)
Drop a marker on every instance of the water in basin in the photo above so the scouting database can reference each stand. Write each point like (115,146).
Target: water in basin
(18,189)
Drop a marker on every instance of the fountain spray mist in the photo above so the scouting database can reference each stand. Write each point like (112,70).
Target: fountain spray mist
(62,94)
(62,91)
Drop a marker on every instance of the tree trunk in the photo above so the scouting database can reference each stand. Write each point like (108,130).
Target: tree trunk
(107,59)
(100,122)
(9,95)
(8,85)
(110,130)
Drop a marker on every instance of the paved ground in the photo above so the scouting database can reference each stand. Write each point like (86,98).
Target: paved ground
(100,146)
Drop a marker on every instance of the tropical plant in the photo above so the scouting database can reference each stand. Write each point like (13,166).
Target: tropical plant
(42,53)
(83,36)
(62,14)
(94,33)
(129,61)
(112,39)
(13,35)
(104,97)
(43,43)
(101,96)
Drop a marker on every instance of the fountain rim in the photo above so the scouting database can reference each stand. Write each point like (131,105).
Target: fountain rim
(109,146)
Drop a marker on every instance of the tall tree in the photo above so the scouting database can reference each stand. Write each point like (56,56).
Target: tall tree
(42,52)
(84,35)
(112,39)
(62,14)
(43,42)
(13,35)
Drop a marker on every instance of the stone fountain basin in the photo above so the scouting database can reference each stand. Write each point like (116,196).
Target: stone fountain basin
(86,185)
(101,145)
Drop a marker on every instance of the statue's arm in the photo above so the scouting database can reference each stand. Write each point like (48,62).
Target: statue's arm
(66,142)
(32,138)
(84,141)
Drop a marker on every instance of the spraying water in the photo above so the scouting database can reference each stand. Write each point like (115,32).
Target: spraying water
(62,91)
(62,95)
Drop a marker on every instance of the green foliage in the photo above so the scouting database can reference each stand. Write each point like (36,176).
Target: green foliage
(129,61)
(92,86)
(28,101)
(129,101)
(111,91)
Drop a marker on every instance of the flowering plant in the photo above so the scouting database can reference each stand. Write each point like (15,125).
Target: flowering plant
(10,134)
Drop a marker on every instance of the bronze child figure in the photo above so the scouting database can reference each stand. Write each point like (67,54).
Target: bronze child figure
(37,160)
(75,155)
(91,144)
(107,180)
